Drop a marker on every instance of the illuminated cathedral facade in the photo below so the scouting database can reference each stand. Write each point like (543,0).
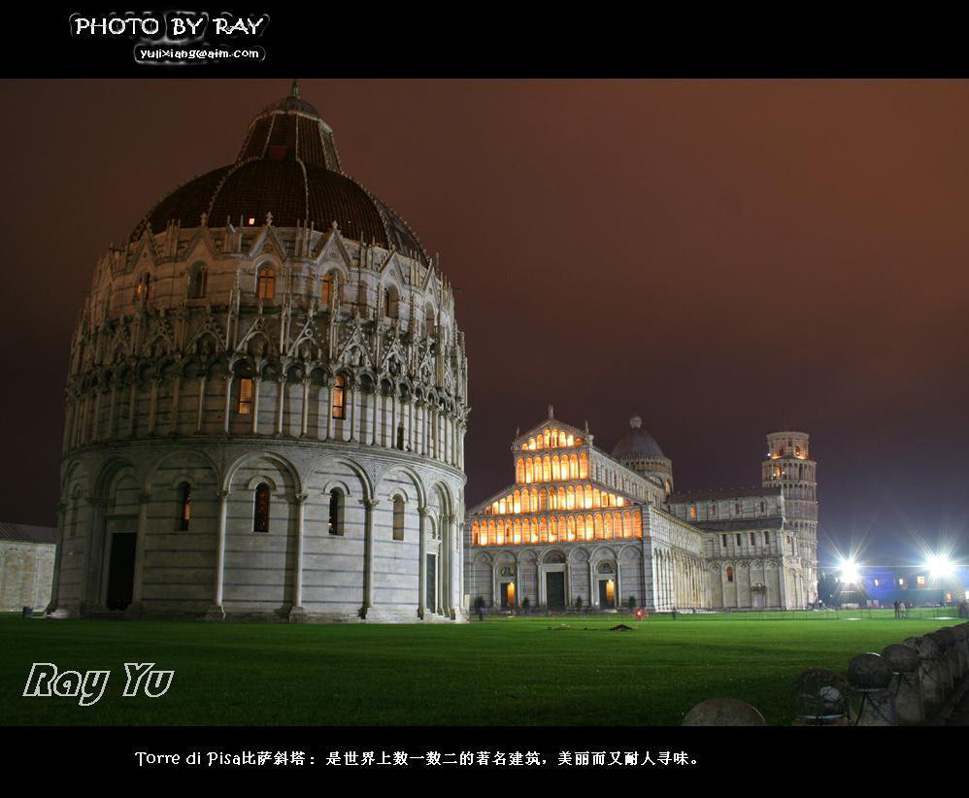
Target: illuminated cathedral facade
(583,528)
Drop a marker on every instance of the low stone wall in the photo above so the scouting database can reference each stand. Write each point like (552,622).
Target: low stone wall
(908,683)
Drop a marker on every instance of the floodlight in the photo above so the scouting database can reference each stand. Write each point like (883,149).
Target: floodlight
(849,572)
(940,567)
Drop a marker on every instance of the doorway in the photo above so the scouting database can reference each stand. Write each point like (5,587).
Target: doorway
(607,593)
(507,594)
(121,570)
(555,590)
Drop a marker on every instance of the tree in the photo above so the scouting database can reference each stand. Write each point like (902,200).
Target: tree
(829,588)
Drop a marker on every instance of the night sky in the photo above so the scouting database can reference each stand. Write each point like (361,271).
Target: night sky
(723,258)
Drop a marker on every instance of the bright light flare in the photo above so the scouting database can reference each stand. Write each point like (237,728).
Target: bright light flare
(940,566)
(849,572)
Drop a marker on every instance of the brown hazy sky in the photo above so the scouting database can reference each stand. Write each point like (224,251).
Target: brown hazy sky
(724,258)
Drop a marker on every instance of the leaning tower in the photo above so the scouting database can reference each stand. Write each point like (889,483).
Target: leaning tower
(788,465)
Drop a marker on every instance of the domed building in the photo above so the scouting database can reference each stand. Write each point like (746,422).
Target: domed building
(583,528)
(639,452)
(266,403)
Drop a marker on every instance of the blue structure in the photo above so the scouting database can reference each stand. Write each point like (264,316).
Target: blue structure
(913,585)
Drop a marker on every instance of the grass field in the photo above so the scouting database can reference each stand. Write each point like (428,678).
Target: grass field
(516,671)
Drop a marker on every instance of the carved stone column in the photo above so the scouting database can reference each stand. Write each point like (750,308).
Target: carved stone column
(421,568)
(153,406)
(227,379)
(111,410)
(176,393)
(256,383)
(93,569)
(280,403)
(201,405)
(132,405)
(216,612)
(135,608)
(297,613)
(368,508)
(305,415)
(447,578)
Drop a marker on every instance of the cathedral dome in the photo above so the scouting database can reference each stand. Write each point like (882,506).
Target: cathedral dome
(288,166)
(637,443)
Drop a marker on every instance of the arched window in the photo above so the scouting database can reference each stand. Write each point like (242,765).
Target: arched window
(730,573)
(266,283)
(428,319)
(328,288)
(260,515)
(335,520)
(198,281)
(339,411)
(184,507)
(142,288)
(391,303)
(245,396)
(398,518)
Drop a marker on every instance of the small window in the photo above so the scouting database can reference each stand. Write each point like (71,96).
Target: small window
(391,304)
(920,581)
(198,282)
(335,519)
(723,541)
(266,284)
(730,573)
(338,398)
(260,516)
(142,288)
(693,512)
(738,539)
(766,538)
(184,507)
(753,542)
(736,508)
(327,288)
(398,518)
(245,397)
(877,582)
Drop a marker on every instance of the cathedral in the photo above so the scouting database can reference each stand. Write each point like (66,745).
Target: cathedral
(266,403)
(583,528)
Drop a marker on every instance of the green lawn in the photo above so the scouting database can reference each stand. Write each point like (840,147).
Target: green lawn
(504,671)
